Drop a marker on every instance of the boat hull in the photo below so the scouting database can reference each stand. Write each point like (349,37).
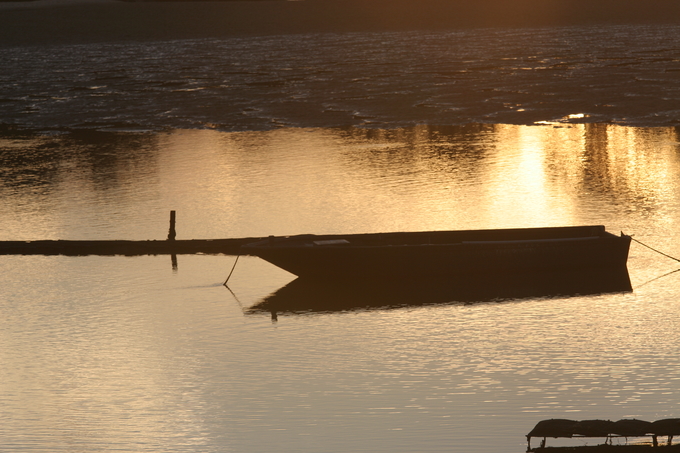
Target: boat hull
(444,254)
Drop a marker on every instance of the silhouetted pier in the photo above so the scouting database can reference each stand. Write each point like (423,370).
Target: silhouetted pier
(129,248)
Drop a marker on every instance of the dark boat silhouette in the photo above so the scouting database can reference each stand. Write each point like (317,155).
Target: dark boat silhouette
(441,255)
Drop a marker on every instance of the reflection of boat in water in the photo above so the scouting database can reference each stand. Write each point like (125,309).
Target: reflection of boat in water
(312,295)
(418,256)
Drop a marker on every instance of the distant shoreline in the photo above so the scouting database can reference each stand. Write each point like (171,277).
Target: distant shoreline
(145,1)
(189,1)
(53,22)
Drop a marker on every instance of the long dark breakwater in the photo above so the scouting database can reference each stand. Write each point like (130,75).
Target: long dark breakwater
(170,246)
(127,248)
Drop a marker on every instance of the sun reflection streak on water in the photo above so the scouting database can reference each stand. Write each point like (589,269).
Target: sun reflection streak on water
(342,180)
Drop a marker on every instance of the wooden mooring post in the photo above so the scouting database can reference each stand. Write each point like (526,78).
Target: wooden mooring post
(172,234)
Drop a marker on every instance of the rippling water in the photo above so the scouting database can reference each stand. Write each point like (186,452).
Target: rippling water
(330,133)
(622,74)
(104,353)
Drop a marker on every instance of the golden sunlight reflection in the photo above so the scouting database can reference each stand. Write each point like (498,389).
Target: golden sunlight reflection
(519,187)
(343,180)
(644,168)
(565,119)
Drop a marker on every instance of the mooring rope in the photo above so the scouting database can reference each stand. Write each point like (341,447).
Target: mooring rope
(657,278)
(657,251)
(232,271)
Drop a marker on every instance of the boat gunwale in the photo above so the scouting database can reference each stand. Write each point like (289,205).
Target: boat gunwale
(382,240)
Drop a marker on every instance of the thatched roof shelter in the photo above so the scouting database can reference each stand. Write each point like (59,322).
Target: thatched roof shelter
(559,427)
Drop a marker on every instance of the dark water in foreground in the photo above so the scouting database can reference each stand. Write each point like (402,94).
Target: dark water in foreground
(101,141)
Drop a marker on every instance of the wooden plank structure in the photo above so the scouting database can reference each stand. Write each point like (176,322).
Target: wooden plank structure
(127,248)
(607,429)
(171,246)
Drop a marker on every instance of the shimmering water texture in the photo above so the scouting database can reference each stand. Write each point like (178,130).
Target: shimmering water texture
(621,74)
(349,132)
(127,354)
(100,185)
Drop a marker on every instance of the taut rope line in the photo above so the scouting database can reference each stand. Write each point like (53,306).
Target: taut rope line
(232,271)
(651,248)
(654,279)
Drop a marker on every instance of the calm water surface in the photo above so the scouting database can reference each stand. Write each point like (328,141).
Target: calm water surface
(127,354)
(330,133)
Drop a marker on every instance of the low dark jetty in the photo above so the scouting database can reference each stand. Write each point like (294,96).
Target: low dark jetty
(170,246)
(127,248)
